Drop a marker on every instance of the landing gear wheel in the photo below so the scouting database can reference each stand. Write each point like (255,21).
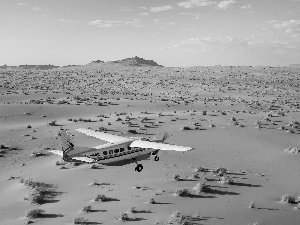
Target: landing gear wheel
(156,158)
(139,168)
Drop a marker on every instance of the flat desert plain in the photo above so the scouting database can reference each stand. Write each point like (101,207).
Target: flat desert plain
(243,123)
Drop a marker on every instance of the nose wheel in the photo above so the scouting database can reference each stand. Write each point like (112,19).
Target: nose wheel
(156,158)
(139,167)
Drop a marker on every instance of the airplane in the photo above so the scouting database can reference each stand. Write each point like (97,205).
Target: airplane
(117,149)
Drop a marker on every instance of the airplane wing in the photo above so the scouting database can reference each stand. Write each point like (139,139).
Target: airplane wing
(160,146)
(103,136)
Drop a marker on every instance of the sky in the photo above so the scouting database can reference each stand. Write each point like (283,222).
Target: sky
(171,32)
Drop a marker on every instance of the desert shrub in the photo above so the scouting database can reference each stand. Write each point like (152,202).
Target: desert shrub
(2,146)
(151,201)
(60,163)
(200,169)
(80,220)
(28,126)
(37,195)
(94,183)
(290,131)
(186,128)
(75,120)
(195,176)
(70,119)
(225,180)
(182,192)
(287,199)
(252,205)
(220,171)
(52,123)
(93,166)
(177,218)
(35,213)
(132,210)
(201,187)
(212,125)
(86,209)
(177,177)
(101,198)
(204,113)
(293,150)
(132,131)
(124,216)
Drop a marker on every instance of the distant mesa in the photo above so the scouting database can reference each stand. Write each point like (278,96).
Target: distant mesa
(294,65)
(41,67)
(137,61)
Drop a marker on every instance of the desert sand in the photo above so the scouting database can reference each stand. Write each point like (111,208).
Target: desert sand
(241,119)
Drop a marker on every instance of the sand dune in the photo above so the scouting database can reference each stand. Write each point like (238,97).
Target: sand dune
(238,118)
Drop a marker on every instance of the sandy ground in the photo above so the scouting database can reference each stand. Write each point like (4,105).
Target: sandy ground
(240,118)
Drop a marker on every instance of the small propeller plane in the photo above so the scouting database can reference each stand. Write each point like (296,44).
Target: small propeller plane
(117,149)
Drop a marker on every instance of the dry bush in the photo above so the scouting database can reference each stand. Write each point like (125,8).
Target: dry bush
(35,213)
(177,177)
(86,209)
(60,163)
(186,128)
(252,205)
(287,199)
(124,216)
(225,180)
(80,220)
(201,187)
(37,196)
(102,198)
(294,150)
(200,169)
(152,201)
(52,123)
(182,192)
(177,218)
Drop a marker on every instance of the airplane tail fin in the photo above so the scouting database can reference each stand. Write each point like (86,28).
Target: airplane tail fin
(161,137)
(67,144)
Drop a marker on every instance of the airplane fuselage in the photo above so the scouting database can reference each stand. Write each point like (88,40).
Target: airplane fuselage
(110,152)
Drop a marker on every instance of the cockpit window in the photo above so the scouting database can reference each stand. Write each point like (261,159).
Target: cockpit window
(116,150)
(121,149)
(105,153)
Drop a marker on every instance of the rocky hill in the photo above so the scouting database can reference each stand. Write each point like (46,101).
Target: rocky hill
(137,61)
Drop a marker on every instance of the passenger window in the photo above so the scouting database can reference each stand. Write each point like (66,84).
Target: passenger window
(105,153)
(129,148)
(111,152)
(116,150)
(121,149)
